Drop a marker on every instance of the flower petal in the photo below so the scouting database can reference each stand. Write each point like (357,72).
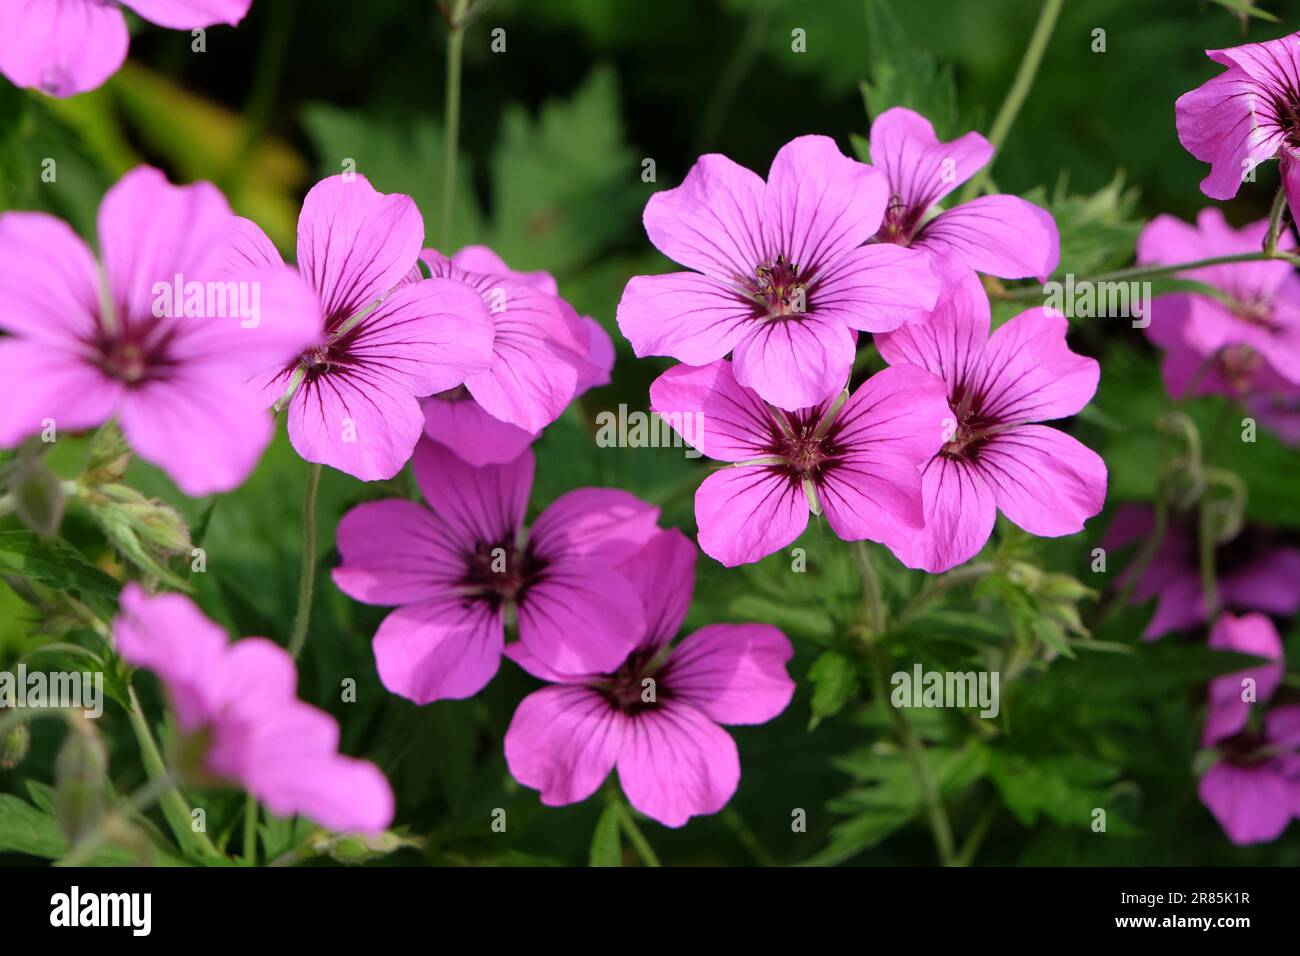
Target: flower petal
(396,552)
(663,573)
(876,288)
(713,412)
(354,243)
(581,616)
(1005,236)
(61,48)
(49,283)
(712,222)
(690,317)
(479,505)
(444,649)
(745,514)
(607,523)
(45,383)
(1029,374)
(733,673)
(921,170)
(188,14)
(477,437)
(675,763)
(1043,480)
(795,363)
(1252,804)
(959,516)
(563,741)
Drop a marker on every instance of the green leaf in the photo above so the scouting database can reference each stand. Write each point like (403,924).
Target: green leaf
(606,848)
(1065,789)
(835,681)
(58,565)
(566,184)
(902,74)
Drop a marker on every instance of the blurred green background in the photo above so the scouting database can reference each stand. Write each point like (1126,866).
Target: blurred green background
(554,131)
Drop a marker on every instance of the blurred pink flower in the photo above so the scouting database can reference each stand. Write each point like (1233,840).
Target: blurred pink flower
(242,697)
(1247,114)
(1262,307)
(1253,789)
(856,460)
(1004,236)
(543,356)
(457,567)
(1255,572)
(655,715)
(62,47)
(85,348)
(994,455)
(382,340)
(781,276)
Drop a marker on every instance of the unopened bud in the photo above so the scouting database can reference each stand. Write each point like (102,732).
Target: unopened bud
(13,748)
(80,775)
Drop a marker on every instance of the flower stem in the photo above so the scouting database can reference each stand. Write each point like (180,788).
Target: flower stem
(455,44)
(173,804)
(139,801)
(633,833)
(307,574)
(1275,222)
(873,606)
(1157,271)
(1209,583)
(250,831)
(1019,91)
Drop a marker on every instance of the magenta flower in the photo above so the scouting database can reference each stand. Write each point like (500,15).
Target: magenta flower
(855,460)
(62,47)
(82,350)
(1255,572)
(382,341)
(457,569)
(995,455)
(1246,115)
(1004,236)
(241,697)
(655,715)
(781,276)
(1262,311)
(543,356)
(1253,789)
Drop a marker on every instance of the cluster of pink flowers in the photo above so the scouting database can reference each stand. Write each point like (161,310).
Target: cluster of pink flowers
(1239,339)
(922,455)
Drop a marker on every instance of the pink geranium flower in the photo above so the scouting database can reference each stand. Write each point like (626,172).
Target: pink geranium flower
(62,47)
(781,276)
(1260,309)
(655,716)
(995,455)
(1253,789)
(1246,115)
(456,571)
(1255,572)
(543,356)
(382,340)
(83,349)
(241,697)
(856,460)
(1002,235)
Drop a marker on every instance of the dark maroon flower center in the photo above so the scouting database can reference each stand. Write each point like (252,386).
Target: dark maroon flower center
(501,573)
(900,223)
(1256,312)
(970,430)
(1246,749)
(135,354)
(808,449)
(779,289)
(632,689)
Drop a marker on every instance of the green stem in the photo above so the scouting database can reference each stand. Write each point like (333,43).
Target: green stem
(976,835)
(174,807)
(1019,91)
(1156,271)
(873,606)
(969,572)
(633,833)
(266,80)
(139,801)
(250,830)
(1209,585)
(307,573)
(455,45)
(1275,222)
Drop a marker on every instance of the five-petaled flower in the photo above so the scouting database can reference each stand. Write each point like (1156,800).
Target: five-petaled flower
(655,715)
(1004,236)
(994,455)
(239,701)
(781,276)
(854,458)
(457,569)
(383,341)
